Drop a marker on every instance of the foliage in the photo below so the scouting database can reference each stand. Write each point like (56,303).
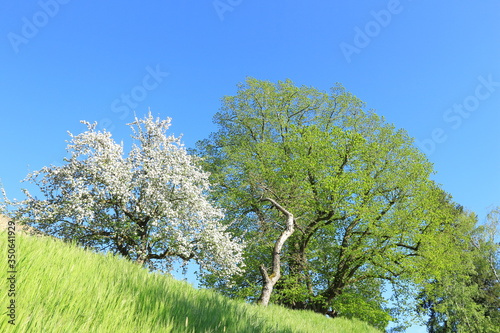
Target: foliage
(63,288)
(150,206)
(364,207)
(364,301)
(468,300)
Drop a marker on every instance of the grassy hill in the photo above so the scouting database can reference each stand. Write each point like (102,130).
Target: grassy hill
(64,288)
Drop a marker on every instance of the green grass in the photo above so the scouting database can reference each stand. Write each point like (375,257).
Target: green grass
(63,288)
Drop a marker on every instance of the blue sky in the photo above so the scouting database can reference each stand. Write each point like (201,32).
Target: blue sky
(429,67)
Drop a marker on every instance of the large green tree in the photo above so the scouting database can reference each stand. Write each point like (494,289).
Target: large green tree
(332,200)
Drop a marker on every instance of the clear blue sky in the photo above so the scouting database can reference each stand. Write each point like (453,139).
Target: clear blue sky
(430,67)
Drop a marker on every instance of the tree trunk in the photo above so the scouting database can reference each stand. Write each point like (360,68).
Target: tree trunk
(269,281)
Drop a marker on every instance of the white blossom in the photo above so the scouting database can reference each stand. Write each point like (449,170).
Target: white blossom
(151,205)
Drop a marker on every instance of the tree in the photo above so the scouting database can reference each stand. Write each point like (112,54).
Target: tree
(467,299)
(150,206)
(358,191)
(486,244)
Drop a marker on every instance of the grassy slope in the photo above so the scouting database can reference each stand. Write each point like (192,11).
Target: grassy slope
(63,288)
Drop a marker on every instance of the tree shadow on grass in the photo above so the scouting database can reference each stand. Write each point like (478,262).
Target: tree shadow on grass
(190,310)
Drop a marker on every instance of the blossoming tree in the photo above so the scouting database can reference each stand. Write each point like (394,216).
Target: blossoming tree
(150,206)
